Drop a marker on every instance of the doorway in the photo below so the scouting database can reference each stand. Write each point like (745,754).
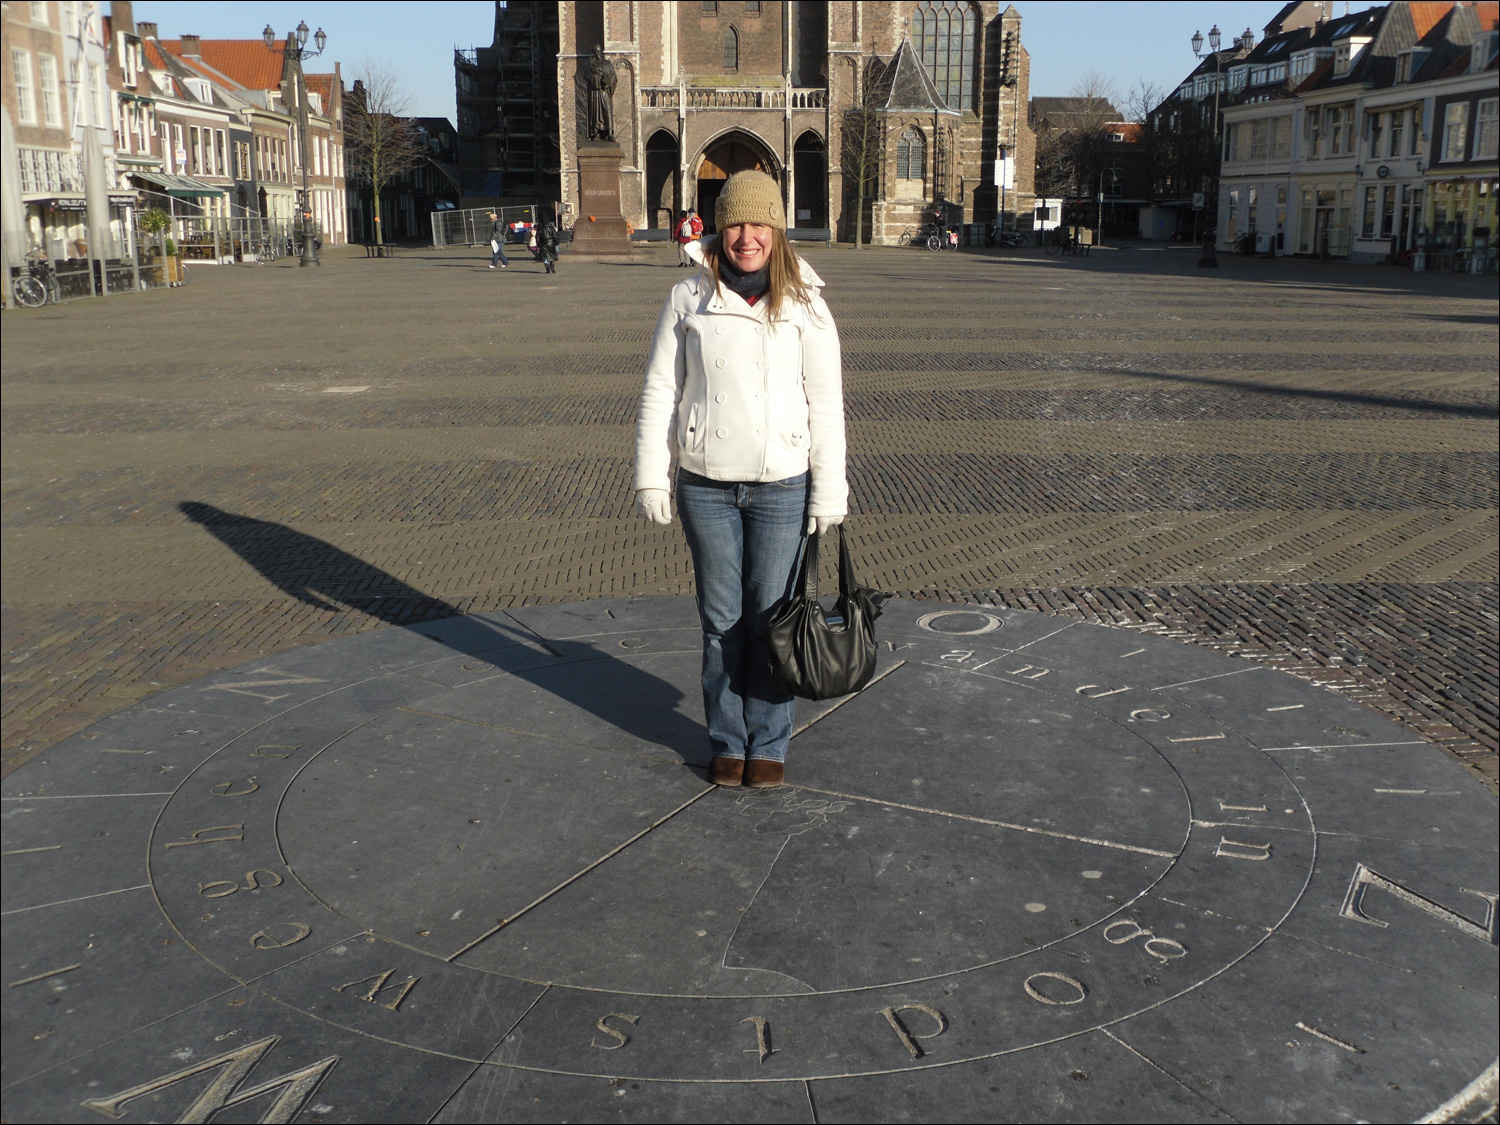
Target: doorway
(736,152)
(662,198)
(811,167)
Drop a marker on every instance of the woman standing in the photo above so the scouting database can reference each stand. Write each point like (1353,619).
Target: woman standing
(745,387)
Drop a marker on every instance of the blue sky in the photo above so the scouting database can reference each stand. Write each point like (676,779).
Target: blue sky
(1125,42)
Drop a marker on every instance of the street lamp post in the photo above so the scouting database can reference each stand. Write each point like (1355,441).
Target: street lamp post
(297,50)
(1210,256)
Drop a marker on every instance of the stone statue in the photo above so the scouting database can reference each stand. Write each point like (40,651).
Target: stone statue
(602,81)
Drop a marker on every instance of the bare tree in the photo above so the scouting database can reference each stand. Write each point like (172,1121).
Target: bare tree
(862,139)
(381,142)
(1071,151)
(1144,98)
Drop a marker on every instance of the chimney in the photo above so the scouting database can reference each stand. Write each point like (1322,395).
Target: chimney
(190,45)
(122,16)
(146,30)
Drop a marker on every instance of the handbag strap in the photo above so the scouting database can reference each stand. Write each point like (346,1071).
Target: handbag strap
(810,567)
(848,584)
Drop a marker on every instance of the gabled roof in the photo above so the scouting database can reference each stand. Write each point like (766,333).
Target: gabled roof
(906,87)
(246,63)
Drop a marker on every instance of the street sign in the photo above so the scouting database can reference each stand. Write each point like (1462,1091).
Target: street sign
(1197,201)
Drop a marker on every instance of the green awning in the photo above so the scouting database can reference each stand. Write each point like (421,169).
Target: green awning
(183,187)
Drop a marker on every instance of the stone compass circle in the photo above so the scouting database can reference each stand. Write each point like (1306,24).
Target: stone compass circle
(472,870)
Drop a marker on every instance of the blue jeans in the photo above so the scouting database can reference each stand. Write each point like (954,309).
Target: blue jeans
(746,541)
(498,252)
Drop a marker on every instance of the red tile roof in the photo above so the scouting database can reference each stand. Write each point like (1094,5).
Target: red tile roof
(248,63)
(1426,13)
(1488,12)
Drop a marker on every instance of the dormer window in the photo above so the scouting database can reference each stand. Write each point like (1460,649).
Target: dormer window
(1341,59)
(1403,67)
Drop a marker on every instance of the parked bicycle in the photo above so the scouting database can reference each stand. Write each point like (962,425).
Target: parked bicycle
(38,284)
(1061,241)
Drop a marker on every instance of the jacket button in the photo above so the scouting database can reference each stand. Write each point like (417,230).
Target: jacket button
(759,396)
(721,432)
(720,330)
(718,363)
(720,397)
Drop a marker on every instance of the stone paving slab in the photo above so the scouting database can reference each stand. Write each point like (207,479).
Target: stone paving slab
(1038,869)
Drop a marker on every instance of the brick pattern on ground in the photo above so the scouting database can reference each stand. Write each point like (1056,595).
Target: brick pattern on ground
(1301,474)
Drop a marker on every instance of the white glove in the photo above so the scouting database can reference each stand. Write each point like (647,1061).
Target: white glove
(823,524)
(655,504)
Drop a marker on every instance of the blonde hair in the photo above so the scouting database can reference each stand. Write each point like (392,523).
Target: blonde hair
(784,277)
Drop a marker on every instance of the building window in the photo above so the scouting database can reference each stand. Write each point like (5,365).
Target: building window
(1375,123)
(1455,130)
(710,8)
(1368,228)
(51,99)
(946,35)
(1487,130)
(20,64)
(752,7)
(1393,145)
(731,49)
(911,156)
(39,13)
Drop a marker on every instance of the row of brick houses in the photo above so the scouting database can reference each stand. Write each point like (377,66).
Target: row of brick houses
(706,89)
(1370,136)
(202,129)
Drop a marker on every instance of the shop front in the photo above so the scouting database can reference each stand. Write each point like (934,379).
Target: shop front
(1460,224)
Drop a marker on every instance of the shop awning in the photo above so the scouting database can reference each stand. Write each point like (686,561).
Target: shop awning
(183,187)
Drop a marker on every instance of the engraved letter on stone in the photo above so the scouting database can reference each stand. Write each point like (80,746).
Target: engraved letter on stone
(620,1037)
(1364,878)
(762,1038)
(1034,991)
(378,985)
(910,1040)
(293,1091)
(1234,849)
(237,830)
(227,788)
(264,939)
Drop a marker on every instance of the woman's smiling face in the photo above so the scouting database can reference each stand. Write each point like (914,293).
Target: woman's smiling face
(748,245)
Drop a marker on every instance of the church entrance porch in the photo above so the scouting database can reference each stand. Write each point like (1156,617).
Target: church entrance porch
(734,152)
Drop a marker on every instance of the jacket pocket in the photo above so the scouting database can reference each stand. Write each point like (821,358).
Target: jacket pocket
(692,436)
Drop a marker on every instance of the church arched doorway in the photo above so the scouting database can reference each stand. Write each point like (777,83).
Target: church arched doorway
(663,199)
(731,153)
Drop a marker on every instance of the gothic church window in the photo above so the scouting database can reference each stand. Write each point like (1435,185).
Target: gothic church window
(911,156)
(946,35)
(731,49)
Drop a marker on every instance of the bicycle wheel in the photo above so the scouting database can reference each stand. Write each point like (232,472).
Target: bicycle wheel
(1054,245)
(187,274)
(29,292)
(934,243)
(905,239)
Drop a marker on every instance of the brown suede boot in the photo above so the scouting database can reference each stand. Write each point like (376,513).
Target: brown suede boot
(761,774)
(726,771)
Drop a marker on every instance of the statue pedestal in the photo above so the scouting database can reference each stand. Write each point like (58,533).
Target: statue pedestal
(600,230)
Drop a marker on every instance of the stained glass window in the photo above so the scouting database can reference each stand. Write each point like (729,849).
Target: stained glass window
(946,35)
(731,49)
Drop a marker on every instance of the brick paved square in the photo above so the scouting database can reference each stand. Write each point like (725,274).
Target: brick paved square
(1291,461)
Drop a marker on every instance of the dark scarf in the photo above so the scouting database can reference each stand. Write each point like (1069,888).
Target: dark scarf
(750,286)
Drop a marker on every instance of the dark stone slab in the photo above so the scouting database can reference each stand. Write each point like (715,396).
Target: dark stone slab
(63,848)
(459,826)
(1037,870)
(1087,1078)
(109,958)
(932,736)
(348,1077)
(1442,937)
(1237,1040)
(140,750)
(500,1093)
(1397,792)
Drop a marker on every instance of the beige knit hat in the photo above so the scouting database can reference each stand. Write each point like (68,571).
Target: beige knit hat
(749,197)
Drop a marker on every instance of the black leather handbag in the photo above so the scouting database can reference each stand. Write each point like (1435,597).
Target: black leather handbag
(810,657)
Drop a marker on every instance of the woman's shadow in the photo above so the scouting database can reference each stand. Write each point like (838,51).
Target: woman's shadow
(321,575)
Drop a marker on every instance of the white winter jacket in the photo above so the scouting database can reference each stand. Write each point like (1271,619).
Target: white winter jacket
(737,398)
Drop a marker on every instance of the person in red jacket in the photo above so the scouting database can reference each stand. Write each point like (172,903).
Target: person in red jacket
(682,234)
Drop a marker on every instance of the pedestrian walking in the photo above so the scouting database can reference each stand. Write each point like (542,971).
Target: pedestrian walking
(683,234)
(744,386)
(697,222)
(546,242)
(497,242)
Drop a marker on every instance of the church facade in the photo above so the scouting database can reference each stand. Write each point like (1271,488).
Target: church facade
(922,97)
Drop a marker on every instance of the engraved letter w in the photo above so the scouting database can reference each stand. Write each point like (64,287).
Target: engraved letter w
(224,1091)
